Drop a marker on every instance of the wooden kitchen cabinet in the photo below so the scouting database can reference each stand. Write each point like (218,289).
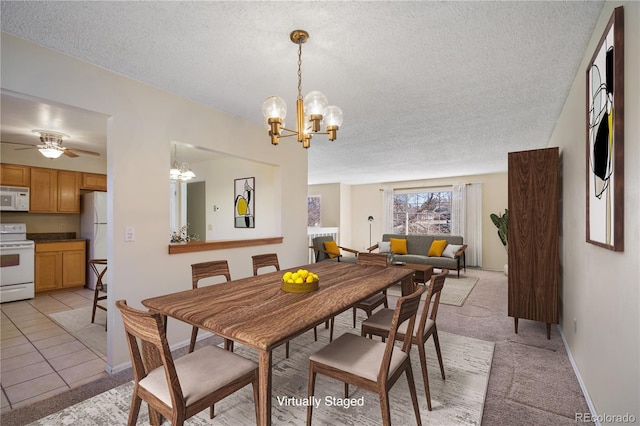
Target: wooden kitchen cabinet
(60,265)
(54,191)
(15,175)
(93,182)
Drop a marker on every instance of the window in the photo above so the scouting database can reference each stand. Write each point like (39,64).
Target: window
(313,210)
(422,212)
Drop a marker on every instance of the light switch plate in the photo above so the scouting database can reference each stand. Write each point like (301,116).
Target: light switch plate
(129,234)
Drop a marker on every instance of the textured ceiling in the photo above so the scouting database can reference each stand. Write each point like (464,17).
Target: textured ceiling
(428,89)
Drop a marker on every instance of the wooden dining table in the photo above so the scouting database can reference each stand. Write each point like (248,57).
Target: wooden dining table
(255,311)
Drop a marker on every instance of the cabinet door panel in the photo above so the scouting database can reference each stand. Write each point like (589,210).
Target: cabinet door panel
(14,175)
(73,269)
(68,192)
(47,271)
(43,190)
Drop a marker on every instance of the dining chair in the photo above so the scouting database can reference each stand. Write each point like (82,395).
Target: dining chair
(368,305)
(95,265)
(201,271)
(179,389)
(369,364)
(271,260)
(380,323)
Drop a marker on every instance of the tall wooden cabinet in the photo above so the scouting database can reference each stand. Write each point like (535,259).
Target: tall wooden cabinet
(534,267)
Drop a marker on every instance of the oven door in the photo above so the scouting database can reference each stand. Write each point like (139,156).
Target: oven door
(16,263)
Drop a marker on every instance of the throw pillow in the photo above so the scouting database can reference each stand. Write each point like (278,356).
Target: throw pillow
(398,246)
(384,246)
(437,247)
(332,248)
(451,250)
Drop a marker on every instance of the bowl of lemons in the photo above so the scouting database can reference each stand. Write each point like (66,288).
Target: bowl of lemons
(300,281)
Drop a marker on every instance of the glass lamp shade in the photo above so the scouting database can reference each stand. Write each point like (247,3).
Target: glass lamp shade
(188,174)
(50,152)
(274,107)
(333,117)
(315,103)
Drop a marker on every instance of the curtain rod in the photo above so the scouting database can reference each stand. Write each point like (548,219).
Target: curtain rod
(422,187)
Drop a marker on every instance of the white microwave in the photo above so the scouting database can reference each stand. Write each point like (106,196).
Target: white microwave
(14,199)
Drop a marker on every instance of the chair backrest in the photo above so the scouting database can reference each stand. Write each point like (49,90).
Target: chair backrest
(433,294)
(372,259)
(264,261)
(209,269)
(318,243)
(153,350)
(406,309)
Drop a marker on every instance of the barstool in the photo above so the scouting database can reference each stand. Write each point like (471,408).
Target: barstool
(100,287)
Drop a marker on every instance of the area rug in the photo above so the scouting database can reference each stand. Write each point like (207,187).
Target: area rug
(78,323)
(458,400)
(454,292)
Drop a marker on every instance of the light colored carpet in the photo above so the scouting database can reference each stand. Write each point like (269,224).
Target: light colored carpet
(78,323)
(454,292)
(458,400)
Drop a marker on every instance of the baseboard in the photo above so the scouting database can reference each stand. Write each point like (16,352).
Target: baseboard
(592,408)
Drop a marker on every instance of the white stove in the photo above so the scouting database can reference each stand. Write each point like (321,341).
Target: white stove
(16,263)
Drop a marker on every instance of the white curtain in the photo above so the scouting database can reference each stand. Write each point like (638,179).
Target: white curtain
(466,219)
(387,210)
(473,224)
(458,210)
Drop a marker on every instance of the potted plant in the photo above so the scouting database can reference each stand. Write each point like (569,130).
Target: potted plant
(502,223)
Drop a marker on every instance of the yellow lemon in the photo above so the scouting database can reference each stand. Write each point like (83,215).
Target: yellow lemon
(295,276)
(299,280)
(310,279)
(289,281)
(286,276)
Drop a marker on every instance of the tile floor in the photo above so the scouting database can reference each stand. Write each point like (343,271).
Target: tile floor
(38,358)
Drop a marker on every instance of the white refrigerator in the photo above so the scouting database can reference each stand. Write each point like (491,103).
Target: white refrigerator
(93,228)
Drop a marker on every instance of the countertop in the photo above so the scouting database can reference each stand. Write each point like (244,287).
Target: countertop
(53,237)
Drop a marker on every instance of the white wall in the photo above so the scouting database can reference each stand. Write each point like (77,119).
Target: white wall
(142,121)
(601,288)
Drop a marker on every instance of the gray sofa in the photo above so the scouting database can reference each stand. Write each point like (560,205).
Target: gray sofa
(418,249)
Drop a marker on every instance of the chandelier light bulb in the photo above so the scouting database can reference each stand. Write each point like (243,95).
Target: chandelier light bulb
(333,116)
(315,103)
(274,107)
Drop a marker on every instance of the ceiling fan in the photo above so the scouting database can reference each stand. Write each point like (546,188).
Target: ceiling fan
(51,146)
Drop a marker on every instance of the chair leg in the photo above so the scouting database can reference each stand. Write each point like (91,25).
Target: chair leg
(315,333)
(384,407)
(346,390)
(93,312)
(256,398)
(311,391)
(155,418)
(425,374)
(212,411)
(414,397)
(331,331)
(436,342)
(228,345)
(354,317)
(135,409)
(194,335)
(286,349)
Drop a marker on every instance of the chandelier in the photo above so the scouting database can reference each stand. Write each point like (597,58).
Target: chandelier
(180,171)
(311,111)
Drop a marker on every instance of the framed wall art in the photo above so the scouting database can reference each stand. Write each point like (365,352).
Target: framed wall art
(605,138)
(244,204)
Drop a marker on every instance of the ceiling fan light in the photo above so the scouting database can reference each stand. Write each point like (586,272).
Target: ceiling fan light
(50,152)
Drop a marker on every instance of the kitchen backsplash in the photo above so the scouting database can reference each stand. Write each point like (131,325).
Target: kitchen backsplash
(44,222)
